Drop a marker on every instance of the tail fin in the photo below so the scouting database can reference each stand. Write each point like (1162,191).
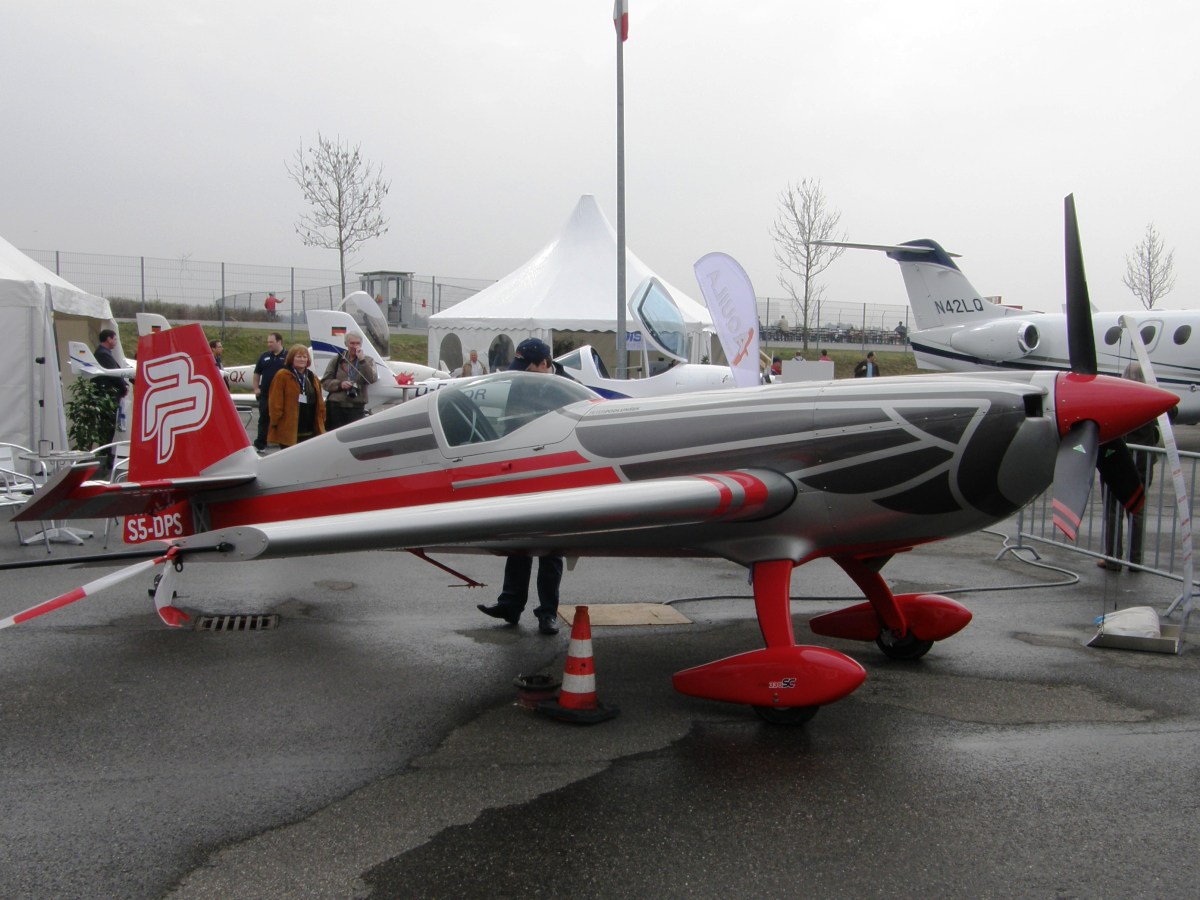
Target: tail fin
(184,421)
(81,359)
(938,292)
(149,323)
(327,329)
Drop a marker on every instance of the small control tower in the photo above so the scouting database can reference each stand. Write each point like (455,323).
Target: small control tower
(394,293)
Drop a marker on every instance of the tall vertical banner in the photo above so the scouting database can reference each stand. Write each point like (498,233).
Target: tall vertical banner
(730,297)
(1182,505)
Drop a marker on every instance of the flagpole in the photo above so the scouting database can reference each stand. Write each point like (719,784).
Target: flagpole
(622,354)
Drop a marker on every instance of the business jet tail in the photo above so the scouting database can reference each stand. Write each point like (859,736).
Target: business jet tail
(938,292)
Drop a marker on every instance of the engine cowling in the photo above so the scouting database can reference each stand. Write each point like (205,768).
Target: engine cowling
(1002,340)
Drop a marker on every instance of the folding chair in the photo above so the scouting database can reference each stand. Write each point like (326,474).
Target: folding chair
(119,472)
(19,487)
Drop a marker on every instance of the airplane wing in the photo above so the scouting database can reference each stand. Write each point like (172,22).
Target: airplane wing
(527,521)
(531,520)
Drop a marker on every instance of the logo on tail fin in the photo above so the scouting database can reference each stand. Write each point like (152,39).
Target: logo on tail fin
(176,402)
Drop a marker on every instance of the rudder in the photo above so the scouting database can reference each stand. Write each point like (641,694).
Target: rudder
(938,292)
(184,421)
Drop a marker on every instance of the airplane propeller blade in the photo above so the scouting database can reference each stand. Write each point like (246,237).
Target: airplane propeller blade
(1073,475)
(1120,475)
(1081,341)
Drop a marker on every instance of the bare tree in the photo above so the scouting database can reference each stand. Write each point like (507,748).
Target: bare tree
(345,193)
(1148,274)
(804,219)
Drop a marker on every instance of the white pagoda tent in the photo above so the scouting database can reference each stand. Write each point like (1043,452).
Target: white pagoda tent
(565,292)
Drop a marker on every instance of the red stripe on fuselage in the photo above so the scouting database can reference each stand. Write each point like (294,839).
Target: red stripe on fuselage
(724,491)
(420,489)
(756,491)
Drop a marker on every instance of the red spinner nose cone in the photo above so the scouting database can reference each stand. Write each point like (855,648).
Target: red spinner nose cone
(1117,405)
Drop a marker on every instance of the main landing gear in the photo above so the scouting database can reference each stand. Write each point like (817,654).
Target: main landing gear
(903,626)
(787,683)
(784,682)
(905,648)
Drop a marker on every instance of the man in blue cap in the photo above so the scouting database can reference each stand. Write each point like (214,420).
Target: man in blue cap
(533,355)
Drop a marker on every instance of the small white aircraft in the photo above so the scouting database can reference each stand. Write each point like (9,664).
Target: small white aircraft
(652,309)
(958,330)
(359,314)
(664,332)
(83,363)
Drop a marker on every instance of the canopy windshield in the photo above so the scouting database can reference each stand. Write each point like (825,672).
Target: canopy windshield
(663,324)
(488,408)
(369,317)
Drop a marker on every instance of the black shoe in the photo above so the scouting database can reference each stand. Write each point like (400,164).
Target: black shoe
(548,624)
(501,611)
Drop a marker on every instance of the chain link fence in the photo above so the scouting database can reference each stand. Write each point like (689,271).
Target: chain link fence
(833,322)
(202,290)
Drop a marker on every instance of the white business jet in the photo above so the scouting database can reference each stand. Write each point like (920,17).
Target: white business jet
(958,330)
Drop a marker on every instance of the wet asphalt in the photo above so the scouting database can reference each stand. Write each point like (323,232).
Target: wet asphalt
(371,745)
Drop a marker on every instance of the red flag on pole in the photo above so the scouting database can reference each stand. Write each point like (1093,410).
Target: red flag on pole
(621,18)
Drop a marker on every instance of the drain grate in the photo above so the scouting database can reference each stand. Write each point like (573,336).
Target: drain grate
(237,623)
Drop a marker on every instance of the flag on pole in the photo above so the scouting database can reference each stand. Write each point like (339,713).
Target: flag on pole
(621,18)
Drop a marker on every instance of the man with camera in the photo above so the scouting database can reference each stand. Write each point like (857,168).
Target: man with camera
(346,379)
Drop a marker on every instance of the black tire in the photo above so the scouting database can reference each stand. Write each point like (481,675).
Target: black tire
(785,715)
(905,648)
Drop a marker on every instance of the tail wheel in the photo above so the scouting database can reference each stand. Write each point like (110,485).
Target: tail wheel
(785,715)
(905,648)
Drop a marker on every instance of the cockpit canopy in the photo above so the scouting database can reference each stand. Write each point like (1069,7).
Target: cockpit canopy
(371,319)
(488,408)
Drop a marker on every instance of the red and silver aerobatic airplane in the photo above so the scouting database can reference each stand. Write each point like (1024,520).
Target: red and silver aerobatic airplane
(767,477)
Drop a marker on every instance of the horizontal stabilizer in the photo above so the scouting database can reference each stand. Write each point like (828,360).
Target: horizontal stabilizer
(886,248)
(69,495)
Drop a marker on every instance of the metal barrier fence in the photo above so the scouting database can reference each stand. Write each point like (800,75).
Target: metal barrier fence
(1160,543)
(833,322)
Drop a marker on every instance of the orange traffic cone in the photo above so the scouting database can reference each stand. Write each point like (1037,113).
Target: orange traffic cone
(577,699)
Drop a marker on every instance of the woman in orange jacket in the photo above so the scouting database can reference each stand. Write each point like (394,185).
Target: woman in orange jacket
(296,406)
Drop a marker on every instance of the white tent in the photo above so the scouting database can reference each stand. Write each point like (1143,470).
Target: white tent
(567,290)
(39,313)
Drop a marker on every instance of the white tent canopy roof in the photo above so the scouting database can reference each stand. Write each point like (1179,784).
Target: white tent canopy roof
(569,285)
(24,283)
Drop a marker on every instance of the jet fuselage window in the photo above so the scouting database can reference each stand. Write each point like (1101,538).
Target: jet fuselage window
(1148,334)
(1113,335)
(1182,333)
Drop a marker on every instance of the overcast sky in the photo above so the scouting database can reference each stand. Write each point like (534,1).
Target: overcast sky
(162,128)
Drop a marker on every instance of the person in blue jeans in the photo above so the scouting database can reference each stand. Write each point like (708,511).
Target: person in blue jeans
(533,355)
